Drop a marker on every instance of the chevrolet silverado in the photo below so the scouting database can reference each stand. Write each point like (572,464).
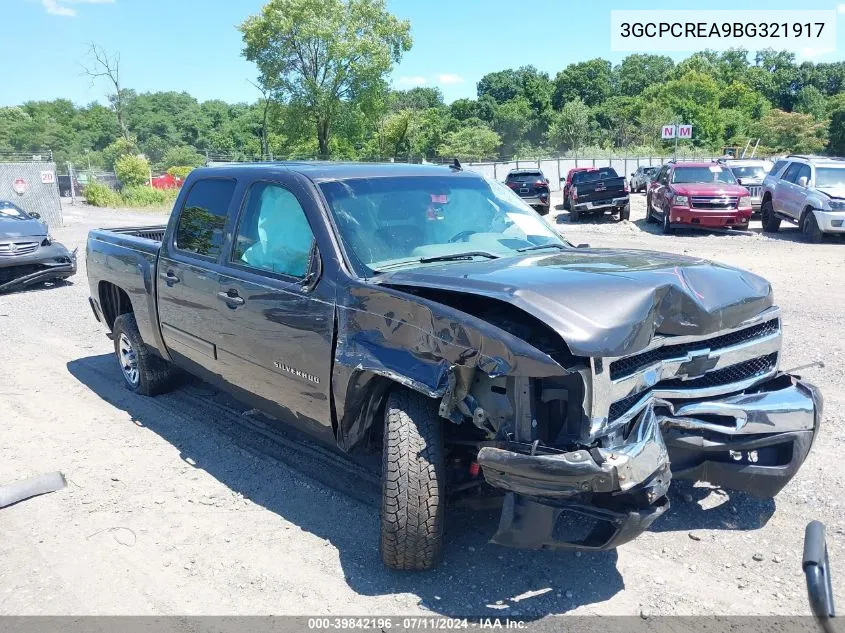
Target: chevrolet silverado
(428,313)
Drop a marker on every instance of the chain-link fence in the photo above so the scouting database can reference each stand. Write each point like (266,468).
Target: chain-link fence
(33,186)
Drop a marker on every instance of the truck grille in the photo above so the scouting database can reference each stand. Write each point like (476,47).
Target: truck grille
(714,202)
(754,191)
(632,364)
(721,377)
(14,249)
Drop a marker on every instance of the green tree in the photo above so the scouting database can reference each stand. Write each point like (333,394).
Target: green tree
(526,82)
(475,142)
(131,170)
(570,127)
(694,99)
(811,100)
(319,53)
(183,156)
(512,122)
(836,143)
(639,71)
(791,132)
(419,98)
(589,81)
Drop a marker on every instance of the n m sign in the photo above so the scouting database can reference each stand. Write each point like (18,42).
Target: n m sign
(684,131)
(667,131)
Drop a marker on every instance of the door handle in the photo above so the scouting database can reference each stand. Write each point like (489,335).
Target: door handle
(169,277)
(233,300)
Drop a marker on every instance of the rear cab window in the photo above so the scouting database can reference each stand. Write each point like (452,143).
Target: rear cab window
(526,176)
(200,229)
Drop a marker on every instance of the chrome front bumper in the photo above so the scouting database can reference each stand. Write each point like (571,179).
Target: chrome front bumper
(600,498)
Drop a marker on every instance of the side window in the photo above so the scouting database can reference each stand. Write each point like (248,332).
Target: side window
(273,232)
(804,172)
(791,173)
(663,177)
(203,217)
(777,167)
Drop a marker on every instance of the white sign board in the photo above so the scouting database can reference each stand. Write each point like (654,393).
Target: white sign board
(685,131)
(667,131)
(48,177)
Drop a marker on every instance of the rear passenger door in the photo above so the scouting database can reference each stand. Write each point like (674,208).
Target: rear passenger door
(278,327)
(786,194)
(188,276)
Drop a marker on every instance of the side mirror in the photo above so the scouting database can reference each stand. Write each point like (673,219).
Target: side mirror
(817,571)
(583,246)
(35,215)
(802,181)
(309,282)
(632,174)
(739,181)
(563,179)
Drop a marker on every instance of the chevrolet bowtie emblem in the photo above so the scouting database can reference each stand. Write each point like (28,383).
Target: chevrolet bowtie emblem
(698,365)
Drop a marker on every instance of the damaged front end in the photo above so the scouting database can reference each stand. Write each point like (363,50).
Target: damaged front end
(715,407)
(25,262)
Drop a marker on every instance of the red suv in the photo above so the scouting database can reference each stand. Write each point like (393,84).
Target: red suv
(697,195)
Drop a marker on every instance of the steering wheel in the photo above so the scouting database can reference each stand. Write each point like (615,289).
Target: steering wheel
(461,237)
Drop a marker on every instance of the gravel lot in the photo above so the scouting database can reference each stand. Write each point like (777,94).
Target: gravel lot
(187,504)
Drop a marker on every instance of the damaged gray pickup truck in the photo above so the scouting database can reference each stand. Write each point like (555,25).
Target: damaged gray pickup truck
(428,313)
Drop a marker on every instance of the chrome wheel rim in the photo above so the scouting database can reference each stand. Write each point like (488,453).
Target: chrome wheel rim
(128,360)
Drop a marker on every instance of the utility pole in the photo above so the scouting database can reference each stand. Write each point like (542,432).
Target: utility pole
(72,188)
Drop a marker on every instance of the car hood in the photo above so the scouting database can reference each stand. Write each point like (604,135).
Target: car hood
(606,303)
(705,189)
(833,192)
(11,227)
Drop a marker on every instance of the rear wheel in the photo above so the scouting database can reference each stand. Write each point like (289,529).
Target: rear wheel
(144,372)
(810,228)
(625,213)
(573,214)
(649,217)
(413,482)
(565,202)
(771,223)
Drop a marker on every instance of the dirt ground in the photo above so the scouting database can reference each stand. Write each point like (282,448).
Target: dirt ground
(188,504)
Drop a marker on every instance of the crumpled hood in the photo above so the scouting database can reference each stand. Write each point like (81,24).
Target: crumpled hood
(833,192)
(606,302)
(12,228)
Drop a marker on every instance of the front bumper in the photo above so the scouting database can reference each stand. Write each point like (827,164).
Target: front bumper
(47,262)
(686,217)
(831,221)
(616,204)
(600,498)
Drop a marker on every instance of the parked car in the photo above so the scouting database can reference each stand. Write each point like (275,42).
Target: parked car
(423,311)
(750,172)
(596,191)
(65,191)
(808,191)
(165,181)
(697,195)
(28,253)
(532,186)
(641,178)
(567,183)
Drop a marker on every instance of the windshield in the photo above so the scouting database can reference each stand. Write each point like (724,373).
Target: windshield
(394,222)
(830,176)
(712,173)
(8,210)
(748,171)
(650,171)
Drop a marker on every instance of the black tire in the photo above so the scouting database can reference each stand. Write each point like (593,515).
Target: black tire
(771,222)
(666,225)
(543,210)
(574,214)
(625,214)
(153,375)
(413,482)
(566,204)
(649,218)
(810,228)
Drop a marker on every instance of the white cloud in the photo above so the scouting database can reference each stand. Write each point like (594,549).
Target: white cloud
(841,9)
(414,80)
(450,78)
(60,7)
(811,52)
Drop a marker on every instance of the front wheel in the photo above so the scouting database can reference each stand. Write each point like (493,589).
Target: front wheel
(667,226)
(144,372)
(810,227)
(625,214)
(413,482)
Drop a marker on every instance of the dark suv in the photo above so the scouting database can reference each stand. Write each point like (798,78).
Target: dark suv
(532,186)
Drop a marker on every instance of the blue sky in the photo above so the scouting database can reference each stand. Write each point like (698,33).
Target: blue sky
(193,45)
